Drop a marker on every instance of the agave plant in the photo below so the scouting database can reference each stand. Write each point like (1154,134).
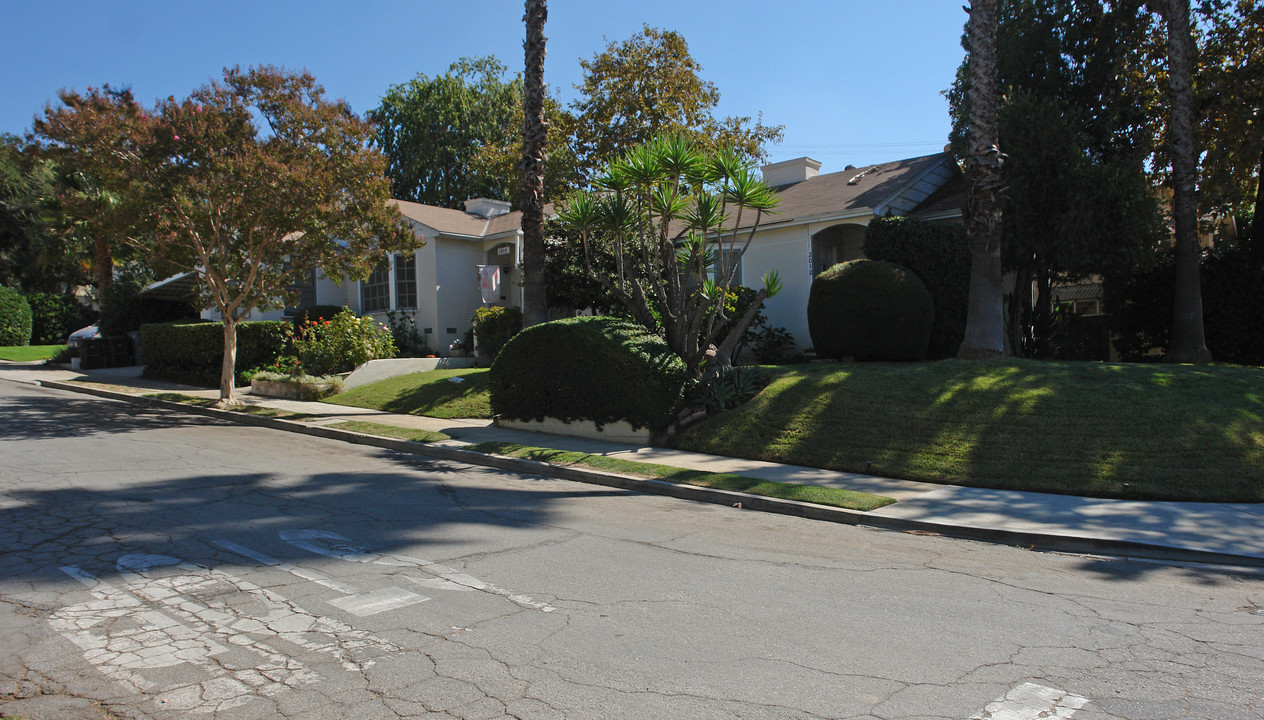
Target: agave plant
(671,218)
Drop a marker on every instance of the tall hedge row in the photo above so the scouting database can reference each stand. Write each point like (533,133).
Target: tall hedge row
(54,316)
(601,369)
(937,253)
(194,352)
(15,318)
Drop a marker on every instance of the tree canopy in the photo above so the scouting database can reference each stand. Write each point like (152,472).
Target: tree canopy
(648,86)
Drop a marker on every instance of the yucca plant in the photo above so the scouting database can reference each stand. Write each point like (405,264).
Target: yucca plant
(671,219)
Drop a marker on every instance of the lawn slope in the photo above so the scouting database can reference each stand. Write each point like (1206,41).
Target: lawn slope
(1109,430)
(460,393)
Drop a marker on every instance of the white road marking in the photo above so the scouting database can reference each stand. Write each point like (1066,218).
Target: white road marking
(334,545)
(358,603)
(213,596)
(1032,702)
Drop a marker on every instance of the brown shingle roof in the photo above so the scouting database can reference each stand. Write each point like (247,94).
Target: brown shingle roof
(459,222)
(835,194)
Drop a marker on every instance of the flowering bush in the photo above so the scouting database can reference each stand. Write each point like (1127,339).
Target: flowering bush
(342,343)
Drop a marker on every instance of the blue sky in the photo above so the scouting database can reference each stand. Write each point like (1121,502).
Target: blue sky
(852,81)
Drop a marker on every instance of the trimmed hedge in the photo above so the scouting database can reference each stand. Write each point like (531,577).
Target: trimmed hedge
(54,316)
(494,326)
(15,318)
(194,352)
(939,256)
(602,369)
(870,310)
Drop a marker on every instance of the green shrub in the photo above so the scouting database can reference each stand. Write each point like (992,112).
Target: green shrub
(602,369)
(317,312)
(54,316)
(494,326)
(193,352)
(938,255)
(15,318)
(1141,307)
(341,343)
(409,341)
(870,310)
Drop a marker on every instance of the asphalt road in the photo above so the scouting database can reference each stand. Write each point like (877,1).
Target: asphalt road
(158,565)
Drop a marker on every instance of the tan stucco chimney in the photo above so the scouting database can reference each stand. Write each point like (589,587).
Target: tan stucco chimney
(791,171)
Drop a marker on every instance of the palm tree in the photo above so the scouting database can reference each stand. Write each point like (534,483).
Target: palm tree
(985,319)
(535,308)
(1188,341)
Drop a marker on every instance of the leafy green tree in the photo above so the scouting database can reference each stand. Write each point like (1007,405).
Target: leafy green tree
(648,86)
(1229,90)
(667,217)
(431,129)
(32,257)
(92,138)
(984,333)
(1078,125)
(254,212)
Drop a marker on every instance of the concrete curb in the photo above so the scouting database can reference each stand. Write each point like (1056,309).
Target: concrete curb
(1029,540)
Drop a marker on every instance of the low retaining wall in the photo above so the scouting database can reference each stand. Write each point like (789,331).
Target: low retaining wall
(375,370)
(614,432)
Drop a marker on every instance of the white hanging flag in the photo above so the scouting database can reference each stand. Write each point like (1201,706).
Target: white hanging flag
(489,278)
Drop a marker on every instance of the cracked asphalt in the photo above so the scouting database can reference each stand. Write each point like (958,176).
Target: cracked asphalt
(160,565)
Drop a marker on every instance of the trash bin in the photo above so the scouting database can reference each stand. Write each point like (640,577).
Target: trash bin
(94,352)
(120,351)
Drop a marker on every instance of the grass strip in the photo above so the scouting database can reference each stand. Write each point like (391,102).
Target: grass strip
(29,353)
(834,497)
(391,431)
(257,410)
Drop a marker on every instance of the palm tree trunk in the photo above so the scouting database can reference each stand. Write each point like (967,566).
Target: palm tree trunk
(985,318)
(1188,341)
(534,302)
(103,264)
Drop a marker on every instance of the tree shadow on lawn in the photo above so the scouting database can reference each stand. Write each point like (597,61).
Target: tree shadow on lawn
(1071,428)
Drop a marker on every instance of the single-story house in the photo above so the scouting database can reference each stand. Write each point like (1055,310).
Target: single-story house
(820,220)
(472,256)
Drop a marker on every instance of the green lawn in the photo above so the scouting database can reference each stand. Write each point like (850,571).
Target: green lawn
(390,431)
(29,353)
(435,393)
(1168,432)
(723,481)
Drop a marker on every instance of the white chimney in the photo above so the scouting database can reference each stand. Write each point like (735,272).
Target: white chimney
(487,208)
(791,171)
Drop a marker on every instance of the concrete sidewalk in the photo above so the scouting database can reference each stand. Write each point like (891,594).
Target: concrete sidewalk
(1200,532)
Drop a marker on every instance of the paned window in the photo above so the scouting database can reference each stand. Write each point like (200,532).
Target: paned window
(406,281)
(375,292)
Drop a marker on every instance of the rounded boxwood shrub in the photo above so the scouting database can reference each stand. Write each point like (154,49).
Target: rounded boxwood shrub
(15,318)
(494,326)
(870,310)
(602,369)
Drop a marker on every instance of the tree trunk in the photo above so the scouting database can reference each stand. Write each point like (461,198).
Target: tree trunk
(535,308)
(985,318)
(227,398)
(1188,341)
(104,267)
